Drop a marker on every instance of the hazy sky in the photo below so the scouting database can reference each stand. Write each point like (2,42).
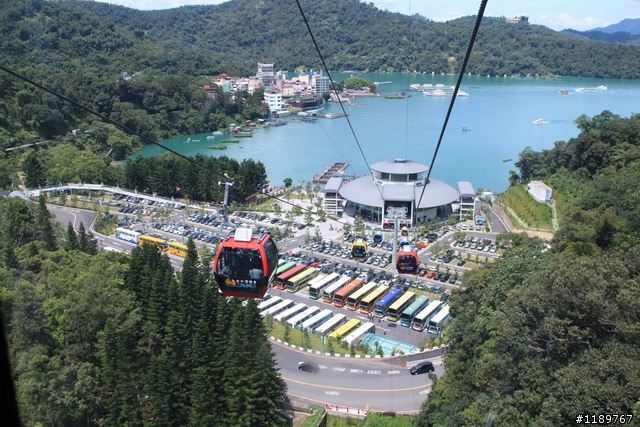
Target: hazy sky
(557,14)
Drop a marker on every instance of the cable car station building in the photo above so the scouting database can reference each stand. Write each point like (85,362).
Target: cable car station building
(397,185)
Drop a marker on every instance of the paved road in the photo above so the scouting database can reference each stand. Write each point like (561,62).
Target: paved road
(378,384)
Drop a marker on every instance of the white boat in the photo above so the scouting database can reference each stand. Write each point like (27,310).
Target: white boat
(462,93)
(437,92)
(602,87)
(217,133)
(538,122)
(580,89)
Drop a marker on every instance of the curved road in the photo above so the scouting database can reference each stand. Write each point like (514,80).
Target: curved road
(381,385)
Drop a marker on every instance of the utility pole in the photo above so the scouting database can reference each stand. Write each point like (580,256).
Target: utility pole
(396,213)
(225,203)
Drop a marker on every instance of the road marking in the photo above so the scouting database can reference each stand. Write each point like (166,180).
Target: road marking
(394,372)
(356,371)
(332,387)
(423,392)
(332,393)
(339,369)
(372,372)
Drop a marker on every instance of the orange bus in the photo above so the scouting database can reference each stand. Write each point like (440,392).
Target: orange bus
(340,298)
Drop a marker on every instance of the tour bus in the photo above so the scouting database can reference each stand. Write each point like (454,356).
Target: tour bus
(400,305)
(330,291)
(315,288)
(289,312)
(317,319)
(300,280)
(279,307)
(287,265)
(359,332)
(406,318)
(127,235)
(437,322)
(421,319)
(370,300)
(353,301)
(160,244)
(385,302)
(345,329)
(281,280)
(268,303)
(179,249)
(340,298)
(297,319)
(334,322)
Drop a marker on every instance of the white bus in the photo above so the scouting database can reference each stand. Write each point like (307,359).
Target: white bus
(317,319)
(319,283)
(128,235)
(421,319)
(289,312)
(330,324)
(301,317)
(275,309)
(268,303)
(437,322)
(359,332)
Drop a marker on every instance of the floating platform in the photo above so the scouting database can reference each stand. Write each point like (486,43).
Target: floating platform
(334,168)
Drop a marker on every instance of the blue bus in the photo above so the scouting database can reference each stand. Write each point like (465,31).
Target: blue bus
(385,302)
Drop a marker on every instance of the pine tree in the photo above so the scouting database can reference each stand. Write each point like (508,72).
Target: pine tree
(45,227)
(71,242)
(34,172)
(84,240)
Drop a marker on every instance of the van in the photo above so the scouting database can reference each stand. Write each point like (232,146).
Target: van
(422,368)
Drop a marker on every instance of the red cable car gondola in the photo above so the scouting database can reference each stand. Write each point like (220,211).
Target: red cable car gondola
(245,265)
(407,261)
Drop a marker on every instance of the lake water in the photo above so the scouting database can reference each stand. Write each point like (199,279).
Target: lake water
(497,118)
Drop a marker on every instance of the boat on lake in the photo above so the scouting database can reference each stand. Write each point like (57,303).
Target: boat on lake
(538,122)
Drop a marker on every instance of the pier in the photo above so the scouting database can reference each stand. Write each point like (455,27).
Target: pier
(334,168)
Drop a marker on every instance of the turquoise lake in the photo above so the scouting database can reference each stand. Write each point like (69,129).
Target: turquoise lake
(496,117)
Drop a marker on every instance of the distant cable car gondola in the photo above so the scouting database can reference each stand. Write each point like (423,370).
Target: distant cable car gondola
(407,261)
(245,265)
(359,249)
(404,231)
(377,237)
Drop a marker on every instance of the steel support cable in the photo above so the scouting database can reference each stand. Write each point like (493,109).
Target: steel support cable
(222,176)
(107,119)
(326,69)
(474,34)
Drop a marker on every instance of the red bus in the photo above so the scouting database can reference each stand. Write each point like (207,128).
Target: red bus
(281,280)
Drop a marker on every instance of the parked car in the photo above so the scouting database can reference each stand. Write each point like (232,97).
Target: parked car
(309,367)
(422,368)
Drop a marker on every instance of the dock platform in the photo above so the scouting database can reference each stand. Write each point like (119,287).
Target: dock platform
(334,168)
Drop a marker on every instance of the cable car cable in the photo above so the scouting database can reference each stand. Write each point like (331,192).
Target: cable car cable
(333,87)
(472,39)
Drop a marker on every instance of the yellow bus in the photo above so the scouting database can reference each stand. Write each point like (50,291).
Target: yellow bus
(343,330)
(160,244)
(353,300)
(400,305)
(369,301)
(300,280)
(179,249)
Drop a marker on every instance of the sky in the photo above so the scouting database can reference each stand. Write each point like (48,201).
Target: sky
(579,15)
